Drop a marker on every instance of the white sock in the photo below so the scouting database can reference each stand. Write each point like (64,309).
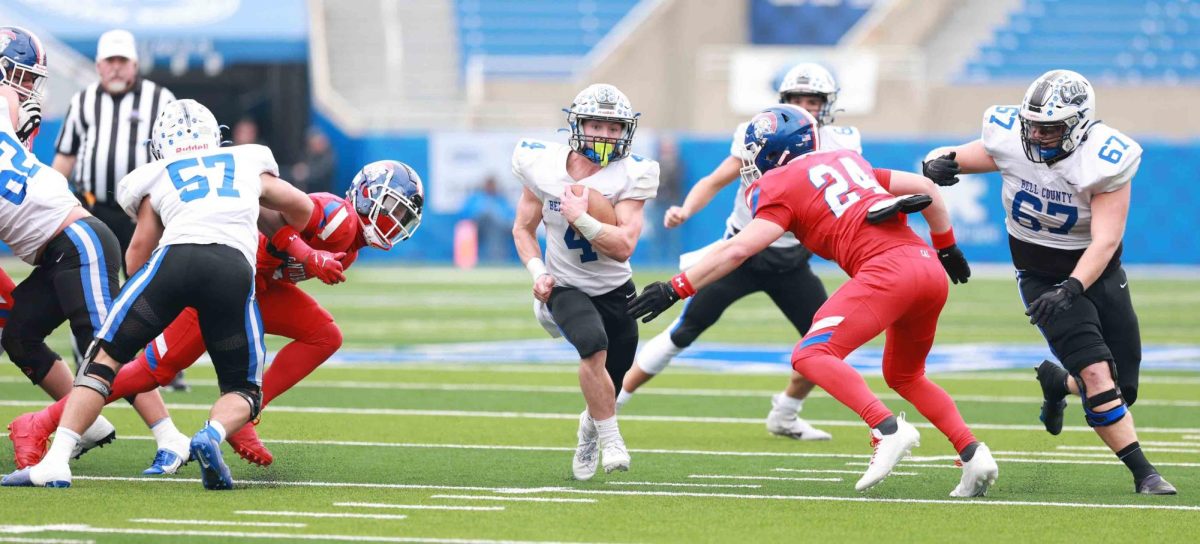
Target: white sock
(165,432)
(216,426)
(657,353)
(64,443)
(608,430)
(785,403)
(622,398)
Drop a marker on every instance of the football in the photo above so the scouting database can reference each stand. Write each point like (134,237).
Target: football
(598,206)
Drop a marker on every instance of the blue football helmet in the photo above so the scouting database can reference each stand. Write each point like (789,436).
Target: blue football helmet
(22,62)
(775,137)
(388,197)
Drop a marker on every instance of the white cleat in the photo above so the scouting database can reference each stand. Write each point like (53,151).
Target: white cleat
(40,475)
(978,473)
(587,452)
(889,450)
(791,426)
(97,436)
(616,456)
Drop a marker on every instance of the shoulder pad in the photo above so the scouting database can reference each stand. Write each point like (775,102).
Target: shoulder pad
(737,145)
(843,138)
(643,178)
(262,154)
(526,152)
(1000,124)
(1109,159)
(136,185)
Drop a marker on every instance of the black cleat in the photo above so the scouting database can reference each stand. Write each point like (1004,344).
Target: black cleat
(1053,380)
(178,385)
(1154,484)
(886,209)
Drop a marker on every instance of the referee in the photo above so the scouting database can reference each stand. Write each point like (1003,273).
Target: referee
(104,133)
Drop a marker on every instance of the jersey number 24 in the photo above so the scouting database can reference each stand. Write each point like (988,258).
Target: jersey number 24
(840,192)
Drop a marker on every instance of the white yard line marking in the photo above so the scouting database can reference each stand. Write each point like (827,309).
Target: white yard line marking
(1191,437)
(420,506)
(631,493)
(685,484)
(835,471)
(218,522)
(79,528)
(771,478)
(575,417)
(286,514)
(1106,449)
(514,499)
(44,540)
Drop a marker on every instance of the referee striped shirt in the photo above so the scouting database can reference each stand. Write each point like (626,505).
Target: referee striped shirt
(107,135)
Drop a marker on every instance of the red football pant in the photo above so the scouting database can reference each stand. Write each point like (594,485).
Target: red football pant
(6,301)
(286,311)
(900,291)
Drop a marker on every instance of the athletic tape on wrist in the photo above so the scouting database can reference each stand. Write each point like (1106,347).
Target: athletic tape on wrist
(588,226)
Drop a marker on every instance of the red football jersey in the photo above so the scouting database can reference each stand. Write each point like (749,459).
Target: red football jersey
(823,198)
(337,231)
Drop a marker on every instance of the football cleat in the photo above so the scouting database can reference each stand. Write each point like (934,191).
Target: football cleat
(39,475)
(98,435)
(247,445)
(889,450)
(1054,403)
(1154,484)
(165,462)
(978,473)
(587,452)
(616,456)
(30,435)
(787,423)
(214,473)
(178,384)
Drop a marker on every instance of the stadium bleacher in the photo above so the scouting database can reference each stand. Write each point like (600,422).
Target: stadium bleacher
(1126,41)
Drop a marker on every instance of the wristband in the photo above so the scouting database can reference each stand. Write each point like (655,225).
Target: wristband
(682,286)
(588,226)
(285,240)
(536,268)
(943,240)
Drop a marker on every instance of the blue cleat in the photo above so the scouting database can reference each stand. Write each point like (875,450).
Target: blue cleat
(213,471)
(165,462)
(22,478)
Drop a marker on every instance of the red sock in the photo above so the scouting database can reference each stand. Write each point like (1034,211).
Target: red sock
(298,359)
(55,411)
(843,383)
(936,405)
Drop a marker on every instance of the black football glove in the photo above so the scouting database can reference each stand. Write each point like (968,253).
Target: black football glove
(942,170)
(1053,302)
(29,118)
(654,300)
(955,263)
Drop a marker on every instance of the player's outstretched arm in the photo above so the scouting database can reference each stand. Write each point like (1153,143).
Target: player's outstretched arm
(944,164)
(145,238)
(723,259)
(297,210)
(938,217)
(703,192)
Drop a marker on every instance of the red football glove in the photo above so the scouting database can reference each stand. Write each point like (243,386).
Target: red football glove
(323,265)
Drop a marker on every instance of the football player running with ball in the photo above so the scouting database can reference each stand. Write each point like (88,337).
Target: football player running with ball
(1067,180)
(841,209)
(585,281)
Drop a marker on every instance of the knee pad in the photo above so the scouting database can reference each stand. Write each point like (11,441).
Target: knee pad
(253,397)
(1104,418)
(34,359)
(657,353)
(97,377)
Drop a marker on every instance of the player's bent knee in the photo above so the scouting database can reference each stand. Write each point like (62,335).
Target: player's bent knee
(1103,417)
(97,377)
(591,343)
(35,359)
(252,396)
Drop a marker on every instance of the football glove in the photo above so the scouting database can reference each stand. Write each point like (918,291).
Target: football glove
(942,170)
(325,266)
(955,263)
(29,118)
(886,209)
(654,300)
(1054,301)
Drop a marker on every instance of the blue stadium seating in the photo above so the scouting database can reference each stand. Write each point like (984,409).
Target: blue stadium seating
(1114,41)
(550,33)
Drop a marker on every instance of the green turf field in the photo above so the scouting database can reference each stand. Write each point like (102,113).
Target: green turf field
(464,451)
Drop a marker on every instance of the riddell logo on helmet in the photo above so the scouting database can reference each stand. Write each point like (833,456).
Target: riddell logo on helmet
(192,147)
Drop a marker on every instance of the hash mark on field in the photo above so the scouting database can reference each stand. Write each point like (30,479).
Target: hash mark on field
(835,471)
(317,514)
(772,478)
(685,484)
(517,499)
(419,506)
(218,522)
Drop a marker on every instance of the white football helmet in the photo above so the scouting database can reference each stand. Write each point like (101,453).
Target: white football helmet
(602,102)
(1059,98)
(810,78)
(184,126)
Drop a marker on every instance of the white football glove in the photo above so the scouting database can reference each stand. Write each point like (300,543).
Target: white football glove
(29,118)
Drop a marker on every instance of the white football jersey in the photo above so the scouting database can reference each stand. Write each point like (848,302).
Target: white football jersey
(542,168)
(209,197)
(829,138)
(34,198)
(1051,206)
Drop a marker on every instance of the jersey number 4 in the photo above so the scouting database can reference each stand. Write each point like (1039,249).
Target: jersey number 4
(840,192)
(197,186)
(575,241)
(15,169)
